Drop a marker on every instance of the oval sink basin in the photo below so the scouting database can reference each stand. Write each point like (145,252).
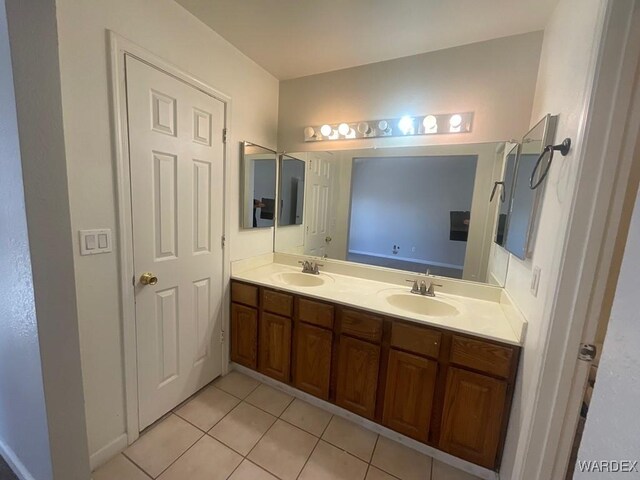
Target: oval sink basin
(422,305)
(298,279)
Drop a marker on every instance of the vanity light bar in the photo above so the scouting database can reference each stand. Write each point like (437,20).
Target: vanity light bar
(405,126)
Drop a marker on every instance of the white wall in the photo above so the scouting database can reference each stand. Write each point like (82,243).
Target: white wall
(167,30)
(406,201)
(613,423)
(562,89)
(24,436)
(494,79)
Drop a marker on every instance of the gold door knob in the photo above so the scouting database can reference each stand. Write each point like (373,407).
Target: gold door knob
(148,279)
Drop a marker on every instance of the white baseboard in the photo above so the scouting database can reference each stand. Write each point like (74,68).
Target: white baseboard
(408,259)
(483,473)
(107,452)
(14,462)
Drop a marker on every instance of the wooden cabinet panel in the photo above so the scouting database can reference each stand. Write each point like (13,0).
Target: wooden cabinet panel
(483,356)
(244,335)
(421,340)
(312,361)
(358,364)
(277,302)
(245,294)
(409,393)
(275,347)
(316,313)
(361,325)
(474,408)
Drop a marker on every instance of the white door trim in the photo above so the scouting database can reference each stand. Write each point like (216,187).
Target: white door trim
(119,47)
(586,252)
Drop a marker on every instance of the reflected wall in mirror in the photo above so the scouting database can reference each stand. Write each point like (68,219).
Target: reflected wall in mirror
(524,203)
(291,193)
(407,208)
(258,167)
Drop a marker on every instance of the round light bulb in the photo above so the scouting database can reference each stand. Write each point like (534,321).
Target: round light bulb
(455,121)
(364,128)
(344,129)
(430,122)
(326,130)
(406,125)
(383,125)
(309,132)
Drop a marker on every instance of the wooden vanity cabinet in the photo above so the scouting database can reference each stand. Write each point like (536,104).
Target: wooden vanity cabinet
(313,347)
(449,390)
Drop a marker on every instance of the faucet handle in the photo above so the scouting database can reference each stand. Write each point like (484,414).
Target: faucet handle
(430,290)
(414,288)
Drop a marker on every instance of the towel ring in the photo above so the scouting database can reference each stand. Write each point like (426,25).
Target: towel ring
(564,148)
(493,192)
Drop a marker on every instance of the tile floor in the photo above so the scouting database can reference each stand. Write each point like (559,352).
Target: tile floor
(240,429)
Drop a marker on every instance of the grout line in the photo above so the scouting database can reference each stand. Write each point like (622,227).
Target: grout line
(307,460)
(135,465)
(374,449)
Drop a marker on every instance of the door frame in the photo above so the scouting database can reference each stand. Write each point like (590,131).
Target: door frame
(120,47)
(609,124)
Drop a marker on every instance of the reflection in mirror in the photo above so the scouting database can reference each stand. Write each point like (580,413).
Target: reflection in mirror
(258,186)
(291,191)
(412,208)
(524,202)
(504,198)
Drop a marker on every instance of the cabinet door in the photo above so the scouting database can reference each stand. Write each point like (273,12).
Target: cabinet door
(472,419)
(312,362)
(244,335)
(358,364)
(409,394)
(275,347)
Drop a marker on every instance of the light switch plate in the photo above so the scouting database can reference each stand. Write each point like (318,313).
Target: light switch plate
(535,281)
(93,242)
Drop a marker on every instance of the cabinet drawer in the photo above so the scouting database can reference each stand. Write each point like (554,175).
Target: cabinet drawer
(483,356)
(361,325)
(316,313)
(276,302)
(245,294)
(412,338)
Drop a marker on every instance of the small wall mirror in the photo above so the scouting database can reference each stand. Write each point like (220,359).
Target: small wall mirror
(502,194)
(258,167)
(524,212)
(291,193)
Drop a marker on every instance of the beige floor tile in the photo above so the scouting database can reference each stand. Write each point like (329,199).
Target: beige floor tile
(331,463)
(307,417)
(377,474)
(206,460)
(283,450)
(250,471)
(400,461)
(442,471)
(237,384)
(163,444)
(350,437)
(269,399)
(119,468)
(242,427)
(207,408)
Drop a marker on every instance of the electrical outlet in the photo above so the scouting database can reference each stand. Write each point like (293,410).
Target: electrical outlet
(413,249)
(535,281)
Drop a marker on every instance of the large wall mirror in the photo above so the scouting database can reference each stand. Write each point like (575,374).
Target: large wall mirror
(258,167)
(408,208)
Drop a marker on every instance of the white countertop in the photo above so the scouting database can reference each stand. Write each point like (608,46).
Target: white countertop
(482,318)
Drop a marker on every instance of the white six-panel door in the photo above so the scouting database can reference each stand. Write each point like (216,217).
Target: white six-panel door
(320,186)
(176,167)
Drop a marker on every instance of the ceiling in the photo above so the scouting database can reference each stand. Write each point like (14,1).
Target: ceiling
(295,38)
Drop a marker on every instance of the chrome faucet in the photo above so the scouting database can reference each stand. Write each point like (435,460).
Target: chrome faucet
(310,267)
(422,289)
